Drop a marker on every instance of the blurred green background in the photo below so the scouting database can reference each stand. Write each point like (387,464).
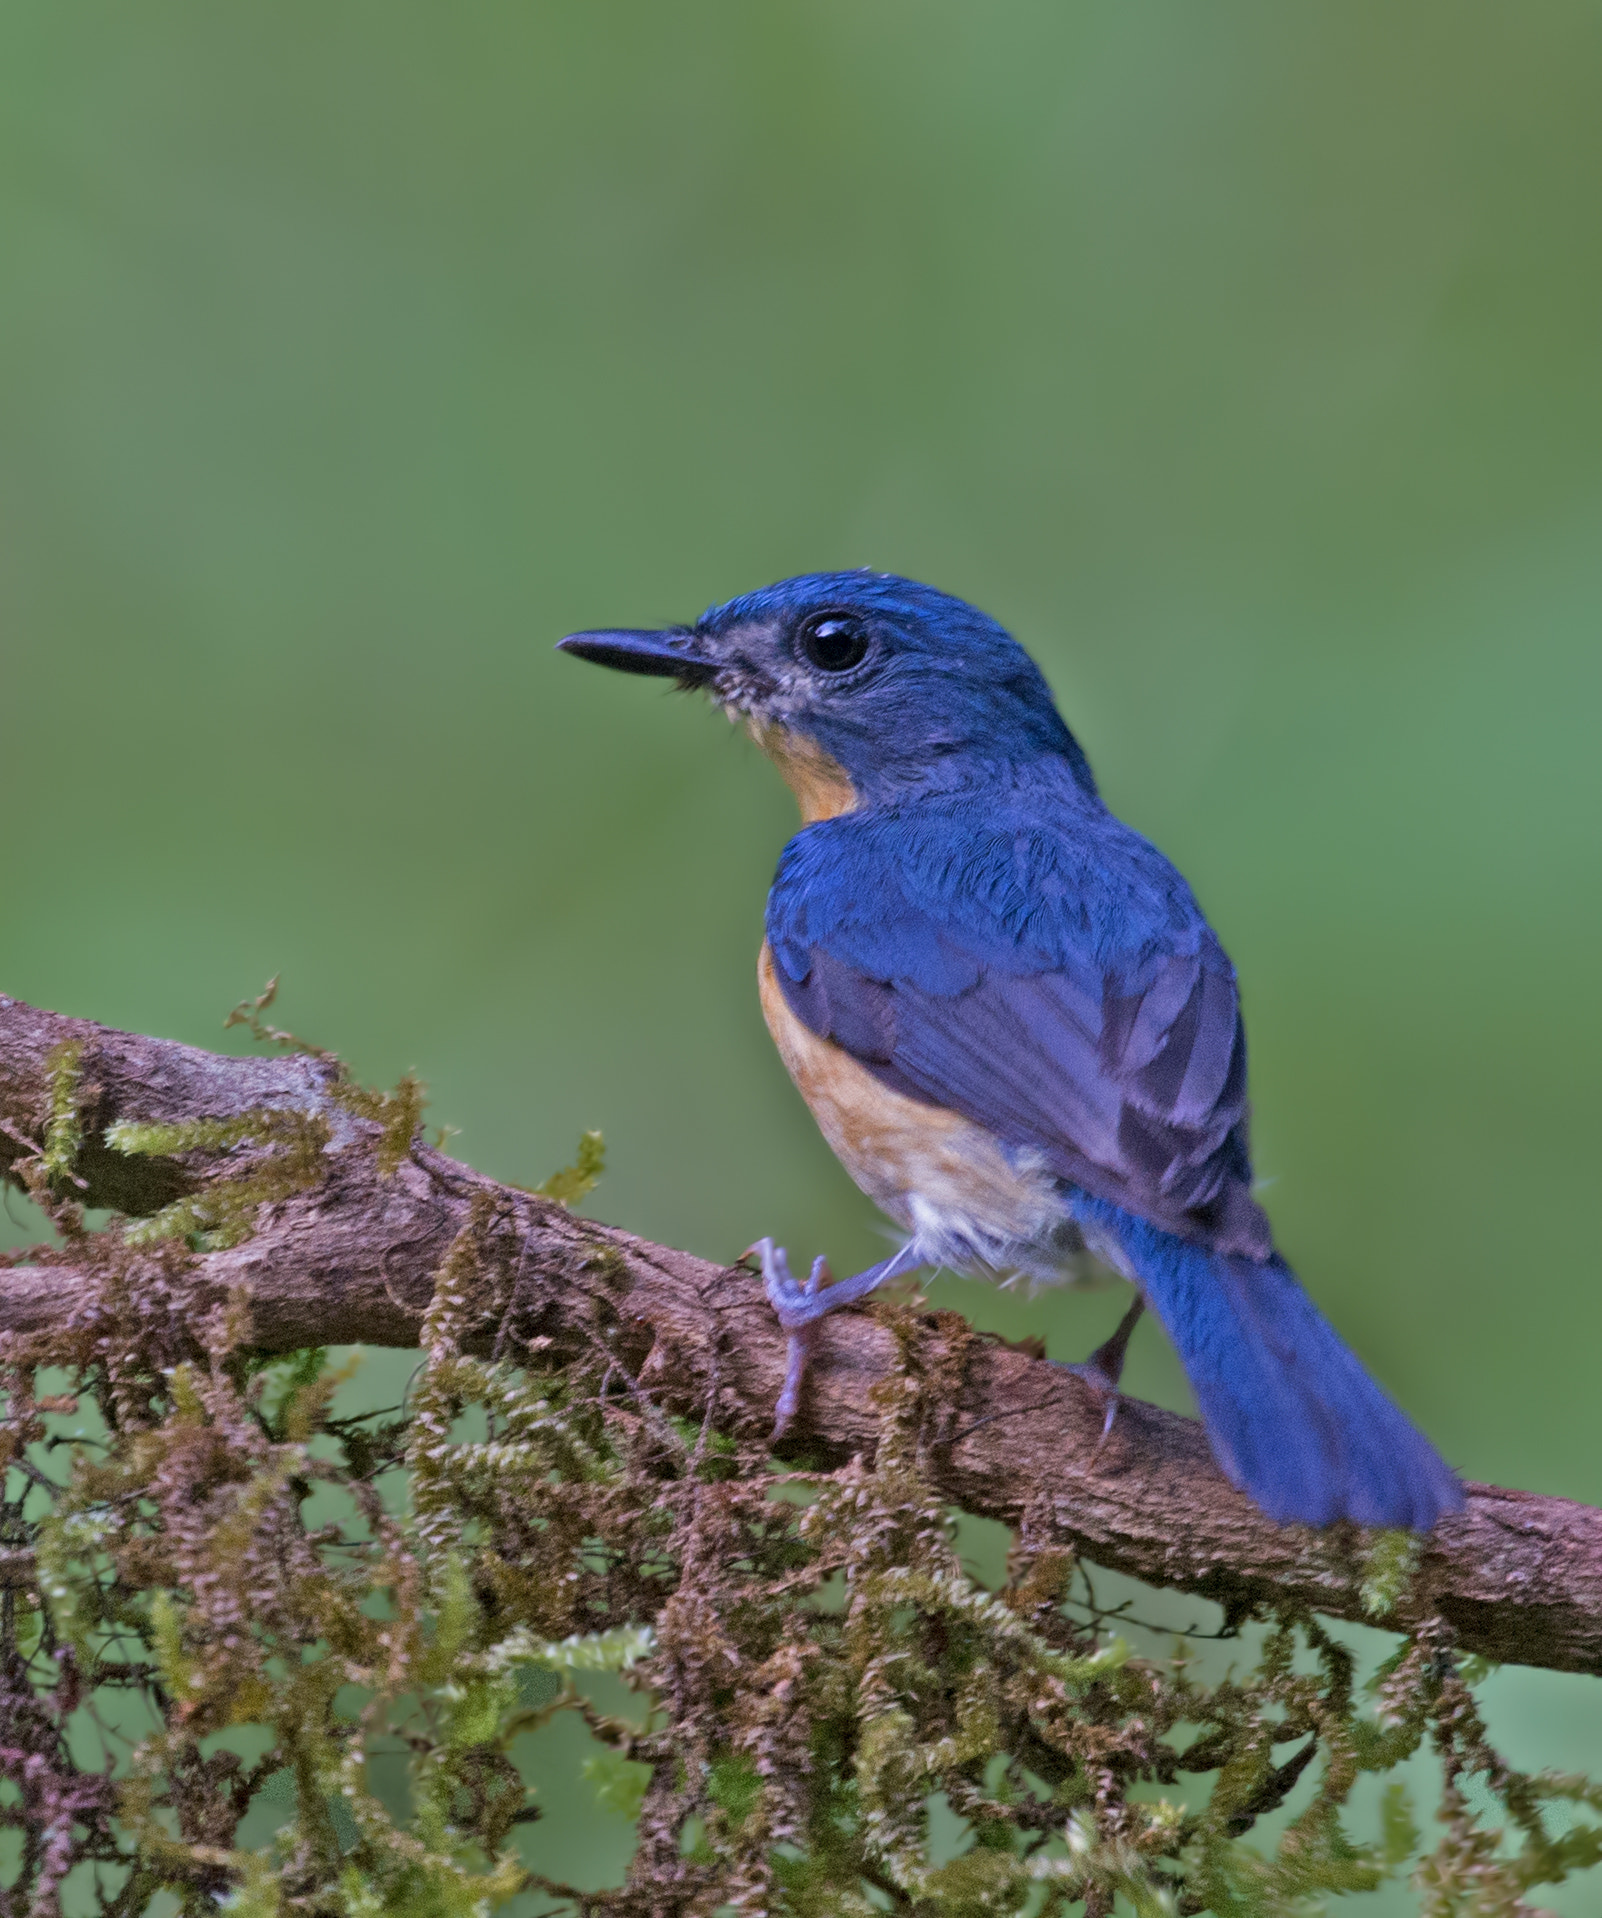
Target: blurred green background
(1245,360)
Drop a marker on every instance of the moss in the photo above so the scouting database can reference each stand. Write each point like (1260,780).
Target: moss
(1392,1560)
(261,1157)
(815,1671)
(248,1014)
(64,1128)
(578,1180)
(398,1116)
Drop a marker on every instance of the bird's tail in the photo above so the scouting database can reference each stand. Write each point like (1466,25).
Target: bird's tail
(1292,1417)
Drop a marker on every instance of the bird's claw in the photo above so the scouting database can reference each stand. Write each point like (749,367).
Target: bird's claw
(794,1304)
(1106,1392)
(791,1301)
(798,1308)
(1105,1367)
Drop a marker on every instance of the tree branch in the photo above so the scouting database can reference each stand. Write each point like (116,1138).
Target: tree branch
(350,1254)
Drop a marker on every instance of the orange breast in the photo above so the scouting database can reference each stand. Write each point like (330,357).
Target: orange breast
(821,785)
(937,1174)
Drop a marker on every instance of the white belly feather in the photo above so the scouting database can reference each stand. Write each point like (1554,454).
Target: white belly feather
(969,1203)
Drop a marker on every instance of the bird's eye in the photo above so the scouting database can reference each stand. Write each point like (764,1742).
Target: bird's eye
(834,642)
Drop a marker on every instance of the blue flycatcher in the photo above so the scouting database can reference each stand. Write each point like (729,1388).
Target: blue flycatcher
(1015,1027)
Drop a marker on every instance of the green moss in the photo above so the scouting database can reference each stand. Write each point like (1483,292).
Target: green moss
(1392,1560)
(815,1671)
(267,1155)
(248,1014)
(397,1114)
(64,1128)
(578,1180)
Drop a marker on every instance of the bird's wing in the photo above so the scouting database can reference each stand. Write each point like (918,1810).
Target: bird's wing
(1054,982)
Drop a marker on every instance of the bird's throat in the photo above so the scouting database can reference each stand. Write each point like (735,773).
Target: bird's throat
(821,785)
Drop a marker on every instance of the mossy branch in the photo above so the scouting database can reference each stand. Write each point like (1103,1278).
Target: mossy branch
(322,1206)
(586,1487)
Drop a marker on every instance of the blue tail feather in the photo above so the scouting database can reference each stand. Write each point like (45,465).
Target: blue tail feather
(1293,1418)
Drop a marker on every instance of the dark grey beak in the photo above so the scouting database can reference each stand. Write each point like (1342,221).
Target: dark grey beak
(674,653)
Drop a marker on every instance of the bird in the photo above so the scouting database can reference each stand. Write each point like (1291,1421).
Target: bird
(1014,1025)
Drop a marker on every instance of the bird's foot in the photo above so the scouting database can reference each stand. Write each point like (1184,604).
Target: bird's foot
(1105,1367)
(798,1307)
(795,1305)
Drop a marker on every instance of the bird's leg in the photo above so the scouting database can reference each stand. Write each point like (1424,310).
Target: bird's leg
(799,1307)
(1105,1367)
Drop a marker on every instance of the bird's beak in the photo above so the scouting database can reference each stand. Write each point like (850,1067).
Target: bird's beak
(675,653)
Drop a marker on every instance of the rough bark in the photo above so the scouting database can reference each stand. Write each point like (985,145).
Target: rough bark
(351,1259)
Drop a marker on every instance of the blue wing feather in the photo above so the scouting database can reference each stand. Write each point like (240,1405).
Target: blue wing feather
(1035,965)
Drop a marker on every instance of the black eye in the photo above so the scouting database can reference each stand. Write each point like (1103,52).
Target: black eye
(834,642)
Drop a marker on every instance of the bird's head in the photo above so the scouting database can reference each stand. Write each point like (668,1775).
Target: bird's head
(861,686)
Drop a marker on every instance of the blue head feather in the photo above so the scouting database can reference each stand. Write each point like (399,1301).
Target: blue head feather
(941,693)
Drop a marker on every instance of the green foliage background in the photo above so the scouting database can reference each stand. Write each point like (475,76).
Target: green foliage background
(1247,360)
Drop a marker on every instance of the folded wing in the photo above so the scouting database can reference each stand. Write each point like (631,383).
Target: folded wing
(1053,981)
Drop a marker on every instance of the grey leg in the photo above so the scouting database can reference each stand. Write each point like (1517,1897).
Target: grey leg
(799,1307)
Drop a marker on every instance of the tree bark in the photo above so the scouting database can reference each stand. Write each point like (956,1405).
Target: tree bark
(351,1258)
